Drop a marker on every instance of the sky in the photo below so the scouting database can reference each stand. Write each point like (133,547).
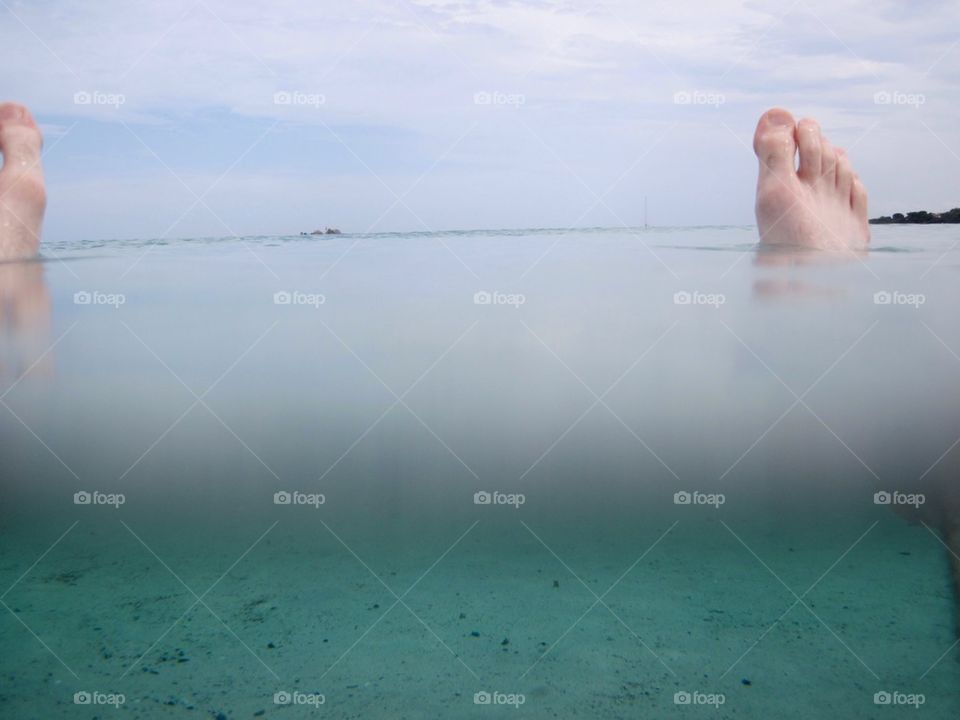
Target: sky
(192,118)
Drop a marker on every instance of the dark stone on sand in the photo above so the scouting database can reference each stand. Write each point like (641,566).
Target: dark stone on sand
(919,217)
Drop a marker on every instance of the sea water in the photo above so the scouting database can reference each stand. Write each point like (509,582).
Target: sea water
(537,473)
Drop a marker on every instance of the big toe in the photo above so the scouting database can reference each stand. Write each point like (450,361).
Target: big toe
(20,138)
(774,141)
(21,143)
(14,112)
(22,193)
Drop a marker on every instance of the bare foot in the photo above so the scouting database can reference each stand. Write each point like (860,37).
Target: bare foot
(23,197)
(823,204)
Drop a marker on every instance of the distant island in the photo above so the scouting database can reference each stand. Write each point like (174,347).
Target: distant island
(328,231)
(919,217)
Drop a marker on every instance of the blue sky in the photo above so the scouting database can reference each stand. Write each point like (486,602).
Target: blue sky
(208,117)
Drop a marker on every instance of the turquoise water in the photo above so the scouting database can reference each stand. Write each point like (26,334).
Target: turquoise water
(401,475)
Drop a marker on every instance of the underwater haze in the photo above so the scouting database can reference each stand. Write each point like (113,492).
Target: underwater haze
(531,474)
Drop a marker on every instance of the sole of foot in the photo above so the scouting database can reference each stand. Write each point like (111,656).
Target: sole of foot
(820,204)
(23,197)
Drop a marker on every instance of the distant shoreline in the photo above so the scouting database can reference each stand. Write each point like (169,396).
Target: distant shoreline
(919,217)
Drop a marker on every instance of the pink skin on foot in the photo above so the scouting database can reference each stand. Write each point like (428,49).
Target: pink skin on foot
(23,197)
(822,204)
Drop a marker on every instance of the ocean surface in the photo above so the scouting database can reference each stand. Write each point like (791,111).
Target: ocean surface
(603,473)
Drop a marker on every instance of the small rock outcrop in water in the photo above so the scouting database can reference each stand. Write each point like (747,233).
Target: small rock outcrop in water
(328,231)
(919,217)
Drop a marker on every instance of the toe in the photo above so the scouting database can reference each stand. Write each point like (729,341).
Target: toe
(810,142)
(774,141)
(22,193)
(20,138)
(21,144)
(858,198)
(828,165)
(12,112)
(844,173)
